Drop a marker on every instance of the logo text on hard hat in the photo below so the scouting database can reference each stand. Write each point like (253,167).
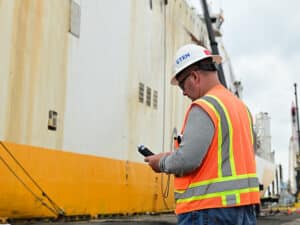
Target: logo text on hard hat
(183,57)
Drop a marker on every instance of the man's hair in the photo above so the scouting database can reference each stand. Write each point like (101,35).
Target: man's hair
(206,65)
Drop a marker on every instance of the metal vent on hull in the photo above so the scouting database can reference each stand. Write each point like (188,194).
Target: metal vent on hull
(141,92)
(148,96)
(155,97)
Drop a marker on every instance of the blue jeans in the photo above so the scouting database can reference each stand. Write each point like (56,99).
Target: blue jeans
(242,215)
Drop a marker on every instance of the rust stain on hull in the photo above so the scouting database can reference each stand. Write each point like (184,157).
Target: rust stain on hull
(38,67)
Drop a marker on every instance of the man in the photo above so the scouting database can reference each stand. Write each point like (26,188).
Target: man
(214,166)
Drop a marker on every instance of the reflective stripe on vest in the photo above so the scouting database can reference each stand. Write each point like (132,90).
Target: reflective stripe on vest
(225,152)
(220,187)
(228,185)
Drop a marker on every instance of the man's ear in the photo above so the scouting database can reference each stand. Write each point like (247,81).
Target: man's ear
(196,76)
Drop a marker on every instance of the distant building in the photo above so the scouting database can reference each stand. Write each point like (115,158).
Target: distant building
(265,163)
(262,130)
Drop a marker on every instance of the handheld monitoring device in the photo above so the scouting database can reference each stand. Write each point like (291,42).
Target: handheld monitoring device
(144,151)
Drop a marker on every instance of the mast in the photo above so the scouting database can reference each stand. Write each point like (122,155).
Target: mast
(212,40)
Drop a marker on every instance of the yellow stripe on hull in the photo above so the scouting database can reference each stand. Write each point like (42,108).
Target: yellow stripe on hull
(79,184)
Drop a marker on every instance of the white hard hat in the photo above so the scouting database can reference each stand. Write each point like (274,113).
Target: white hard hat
(188,55)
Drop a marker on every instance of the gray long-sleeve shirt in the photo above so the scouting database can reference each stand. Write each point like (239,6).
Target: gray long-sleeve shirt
(196,140)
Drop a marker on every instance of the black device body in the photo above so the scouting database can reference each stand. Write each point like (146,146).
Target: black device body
(144,151)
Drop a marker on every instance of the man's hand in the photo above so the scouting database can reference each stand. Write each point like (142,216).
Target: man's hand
(153,161)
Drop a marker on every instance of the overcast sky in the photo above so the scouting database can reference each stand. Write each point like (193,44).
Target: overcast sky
(262,39)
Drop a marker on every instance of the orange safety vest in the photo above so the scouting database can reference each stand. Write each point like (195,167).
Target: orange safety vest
(227,175)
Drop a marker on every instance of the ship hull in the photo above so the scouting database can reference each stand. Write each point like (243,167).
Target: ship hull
(77,184)
(85,185)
